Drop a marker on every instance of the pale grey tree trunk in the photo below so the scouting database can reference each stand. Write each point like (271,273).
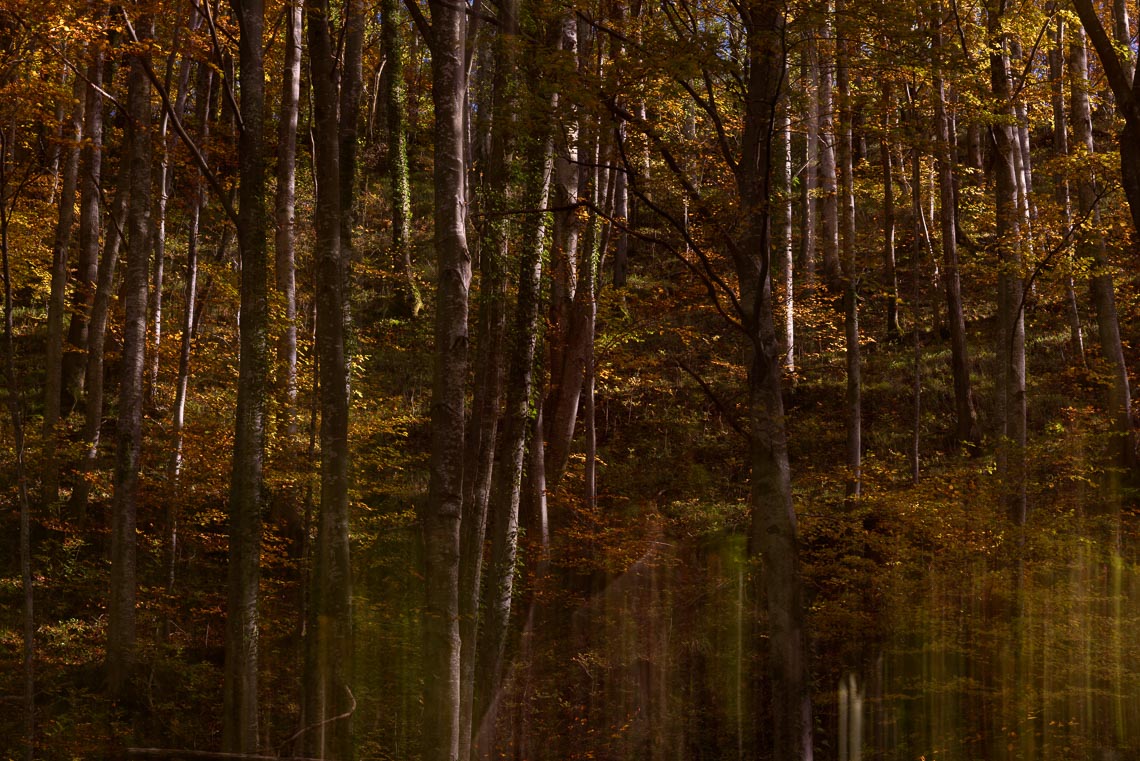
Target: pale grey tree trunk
(828,187)
(887,163)
(1061,179)
(285,269)
(808,233)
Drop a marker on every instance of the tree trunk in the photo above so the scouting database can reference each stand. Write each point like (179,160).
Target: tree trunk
(72,135)
(808,233)
(773,532)
(408,291)
(828,188)
(328,699)
(16,410)
(1011,349)
(844,51)
(240,699)
(87,269)
(506,494)
(487,399)
(786,244)
(121,622)
(885,159)
(96,333)
(286,200)
(1061,180)
(1092,245)
(441,515)
(966,431)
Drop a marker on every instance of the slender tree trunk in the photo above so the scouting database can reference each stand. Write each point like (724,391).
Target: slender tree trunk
(966,431)
(240,698)
(87,269)
(844,51)
(286,202)
(808,233)
(328,701)
(96,333)
(565,361)
(829,192)
(506,492)
(72,135)
(121,622)
(189,316)
(408,292)
(490,368)
(16,411)
(441,516)
(1011,348)
(1061,180)
(890,272)
(773,532)
(786,244)
(1092,245)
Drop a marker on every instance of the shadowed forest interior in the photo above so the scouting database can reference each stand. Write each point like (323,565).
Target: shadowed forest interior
(569,379)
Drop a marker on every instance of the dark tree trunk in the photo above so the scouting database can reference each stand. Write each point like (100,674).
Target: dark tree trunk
(966,431)
(121,621)
(773,533)
(72,136)
(240,706)
(328,699)
(844,53)
(86,272)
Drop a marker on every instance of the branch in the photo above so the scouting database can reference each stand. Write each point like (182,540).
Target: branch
(1117,79)
(199,159)
(420,22)
(204,10)
(729,417)
(351,710)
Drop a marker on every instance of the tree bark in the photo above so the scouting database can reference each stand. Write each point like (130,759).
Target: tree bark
(240,699)
(844,51)
(395,96)
(72,137)
(1092,245)
(966,430)
(328,700)
(87,269)
(885,159)
(1011,349)
(828,184)
(1061,180)
(285,206)
(773,532)
(441,514)
(121,623)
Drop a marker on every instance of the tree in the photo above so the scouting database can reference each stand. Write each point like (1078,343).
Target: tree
(441,514)
(121,634)
(328,700)
(239,734)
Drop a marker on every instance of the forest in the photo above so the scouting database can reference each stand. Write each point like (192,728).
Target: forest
(569,379)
